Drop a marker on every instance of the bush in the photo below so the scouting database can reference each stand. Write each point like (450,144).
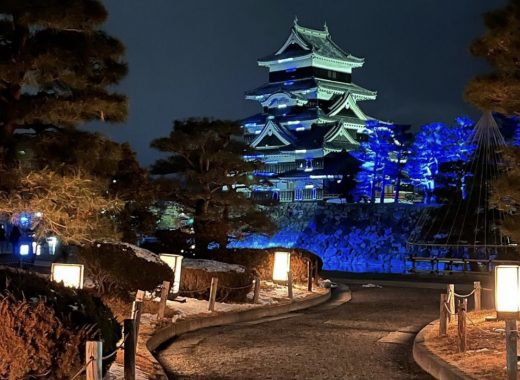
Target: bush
(45,326)
(234,281)
(120,268)
(261,261)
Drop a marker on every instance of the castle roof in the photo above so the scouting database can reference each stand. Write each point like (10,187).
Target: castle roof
(311,41)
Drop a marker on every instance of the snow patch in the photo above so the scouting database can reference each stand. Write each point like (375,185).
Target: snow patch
(212,266)
(137,251)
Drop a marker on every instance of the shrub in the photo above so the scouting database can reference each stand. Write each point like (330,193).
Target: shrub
(261,261)
(120,268)
(234,281)
(45,326)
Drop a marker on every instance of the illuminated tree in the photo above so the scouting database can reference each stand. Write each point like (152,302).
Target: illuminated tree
(56,68)
(206,171)
(500,46)
(439,150)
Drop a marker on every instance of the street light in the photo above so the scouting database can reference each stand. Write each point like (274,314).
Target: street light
(175,263)
(282,265)
(70,274)
(507,304)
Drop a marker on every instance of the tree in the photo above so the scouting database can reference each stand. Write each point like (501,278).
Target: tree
(206,171)
(377,156)
(56,68)
(439,146)
(500,46)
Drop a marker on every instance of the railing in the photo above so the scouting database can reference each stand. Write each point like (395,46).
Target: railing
(465,264)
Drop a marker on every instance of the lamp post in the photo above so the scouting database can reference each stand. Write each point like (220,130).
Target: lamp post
(507,304)
(175,263)
(282,266)
(70,274)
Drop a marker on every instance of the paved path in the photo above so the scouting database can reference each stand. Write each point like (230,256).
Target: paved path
(320,343)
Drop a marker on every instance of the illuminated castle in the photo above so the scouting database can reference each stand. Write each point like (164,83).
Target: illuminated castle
(310,117)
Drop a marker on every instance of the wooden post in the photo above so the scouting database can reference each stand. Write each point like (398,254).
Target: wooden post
(94,359)
(511,345)
(309,276)
(477,295)
(443,316)
(451,300)
(316,273)
(414,264)
(463,306)
(139,296)
(256,295)
(164,297)
(130,342)
(213,294)
(289,285)
(137,310)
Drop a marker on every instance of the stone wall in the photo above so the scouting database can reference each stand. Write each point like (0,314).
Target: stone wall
(349,237)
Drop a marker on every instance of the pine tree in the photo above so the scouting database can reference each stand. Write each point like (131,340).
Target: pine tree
(56,67)
(500,46)
(206,169)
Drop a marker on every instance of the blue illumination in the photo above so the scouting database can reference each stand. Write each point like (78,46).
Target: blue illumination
(288,83)
(290,70)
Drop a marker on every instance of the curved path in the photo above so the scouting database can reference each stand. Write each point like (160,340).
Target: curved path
(320,343)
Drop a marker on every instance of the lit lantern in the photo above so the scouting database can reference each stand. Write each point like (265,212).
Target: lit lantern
(24,249)
(175,263)
(70,274)
(52,242)
(282,265)
(507,291)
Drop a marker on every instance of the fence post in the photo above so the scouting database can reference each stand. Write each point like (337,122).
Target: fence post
(309,276)
(256,295)
(289,285)
(451,300)
(463,306)
(511,346)
(137,310)
(130,342)
(477,295)
(443,316)
(164,297)
(414,264)
(94,359)
(316,273)
(213,294)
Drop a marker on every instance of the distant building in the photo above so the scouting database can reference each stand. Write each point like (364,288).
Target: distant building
(310,119)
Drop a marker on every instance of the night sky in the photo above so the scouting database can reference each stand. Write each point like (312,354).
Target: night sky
(198,57)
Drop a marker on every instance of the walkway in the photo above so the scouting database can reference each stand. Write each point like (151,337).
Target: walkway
(321,343)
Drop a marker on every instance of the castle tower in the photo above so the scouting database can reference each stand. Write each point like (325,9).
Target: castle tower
(310,115)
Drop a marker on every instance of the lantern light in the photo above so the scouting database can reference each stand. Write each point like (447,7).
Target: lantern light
(175,263)
(507,291)
(24,249)
(282,265)
(52,242)
(70,274)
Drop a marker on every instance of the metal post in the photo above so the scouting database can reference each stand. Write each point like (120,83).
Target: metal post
(130,342)
(511,346)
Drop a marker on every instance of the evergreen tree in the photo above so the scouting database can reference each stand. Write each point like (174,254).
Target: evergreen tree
(206,170)
(56,67)
(439,149)
(500,46)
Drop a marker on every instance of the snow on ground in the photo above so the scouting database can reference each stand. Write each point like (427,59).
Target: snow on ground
(117,371)
(212,266)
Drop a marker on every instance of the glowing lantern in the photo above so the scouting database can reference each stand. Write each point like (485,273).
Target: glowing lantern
(175,263)
(24,249)
(507,291)
(282,265)
(52,242)
(70,274)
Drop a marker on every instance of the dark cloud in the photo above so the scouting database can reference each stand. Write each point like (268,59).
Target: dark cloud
(197,57)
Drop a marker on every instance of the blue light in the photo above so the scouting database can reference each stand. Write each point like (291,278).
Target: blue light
(291,70)
(24,249)
(288,83)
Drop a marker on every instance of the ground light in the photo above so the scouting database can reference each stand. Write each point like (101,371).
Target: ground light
(175,263)
(70,274)
(507,304)
(282,265)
